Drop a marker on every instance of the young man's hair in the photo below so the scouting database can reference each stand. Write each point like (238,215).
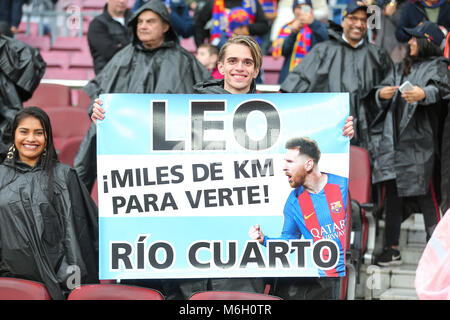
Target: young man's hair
(305,146)
(247,41)
(212,49)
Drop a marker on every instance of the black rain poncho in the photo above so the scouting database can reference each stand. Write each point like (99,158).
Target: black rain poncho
(135,69)
(335,66)
(21,70)
(408,137)
(40,239)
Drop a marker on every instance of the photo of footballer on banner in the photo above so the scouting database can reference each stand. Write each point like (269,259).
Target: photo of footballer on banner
(188,183)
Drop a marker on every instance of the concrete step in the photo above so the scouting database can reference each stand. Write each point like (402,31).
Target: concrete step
(399,294)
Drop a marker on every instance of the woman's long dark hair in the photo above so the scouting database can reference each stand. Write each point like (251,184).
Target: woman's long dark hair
(425,50)
(49,157)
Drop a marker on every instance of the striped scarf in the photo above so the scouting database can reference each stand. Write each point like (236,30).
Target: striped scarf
(220,19)
(301,47)
(269,6)
(429,4)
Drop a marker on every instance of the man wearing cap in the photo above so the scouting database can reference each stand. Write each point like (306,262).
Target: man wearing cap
(298,37)
(414,12)
(347,62)
(151,63)
(410,138)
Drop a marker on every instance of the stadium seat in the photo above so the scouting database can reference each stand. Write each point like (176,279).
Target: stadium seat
(69,74)
(360,193)
(40,42)
(113,292)
(231,295)
(68,44)
(69,150)
(348,283)
(272,68)
(56,59)
(21,289)
(80,99)
(81,60)
(49,95)
(67,122)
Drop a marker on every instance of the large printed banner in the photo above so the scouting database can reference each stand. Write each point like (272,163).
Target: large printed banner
(182,178)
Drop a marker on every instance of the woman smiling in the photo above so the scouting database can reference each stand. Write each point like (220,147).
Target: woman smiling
(48,222)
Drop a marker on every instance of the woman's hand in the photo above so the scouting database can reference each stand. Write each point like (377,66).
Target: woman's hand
(387,93)
(416,94)
(97,111)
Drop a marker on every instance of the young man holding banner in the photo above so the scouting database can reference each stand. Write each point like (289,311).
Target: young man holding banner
(239,60)
(315,210)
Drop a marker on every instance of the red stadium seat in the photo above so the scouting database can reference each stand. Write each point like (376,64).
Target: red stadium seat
(231,295)
(361,195)
(21,289)
(113,292)
(189,44)
(56,59)
(67,122)
(81,60)
(41,42)
(70,44)
(69,150)
(49,95)
(81,99)
(272,68)
(69,74)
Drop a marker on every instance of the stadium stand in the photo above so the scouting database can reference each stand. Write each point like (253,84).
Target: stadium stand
(113,292)
(21,289)
(50,95)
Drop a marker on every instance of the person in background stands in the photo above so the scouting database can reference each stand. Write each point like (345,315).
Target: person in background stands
(108,32)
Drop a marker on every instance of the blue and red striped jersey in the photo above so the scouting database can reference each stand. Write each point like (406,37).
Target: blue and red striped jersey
(318,216)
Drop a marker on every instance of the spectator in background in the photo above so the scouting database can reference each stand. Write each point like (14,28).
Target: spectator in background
(108,32)
(48,221)
(298,37)
(212,20)
(208,56)
(11,13)
(180,19)
(346,62)
(409,146)
(437,11)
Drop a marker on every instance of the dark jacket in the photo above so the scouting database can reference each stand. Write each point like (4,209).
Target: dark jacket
(106,37)
(414,13)
(40,239)
(259,28)
(408,136)
(21,70)
(135,69)
(335,66)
